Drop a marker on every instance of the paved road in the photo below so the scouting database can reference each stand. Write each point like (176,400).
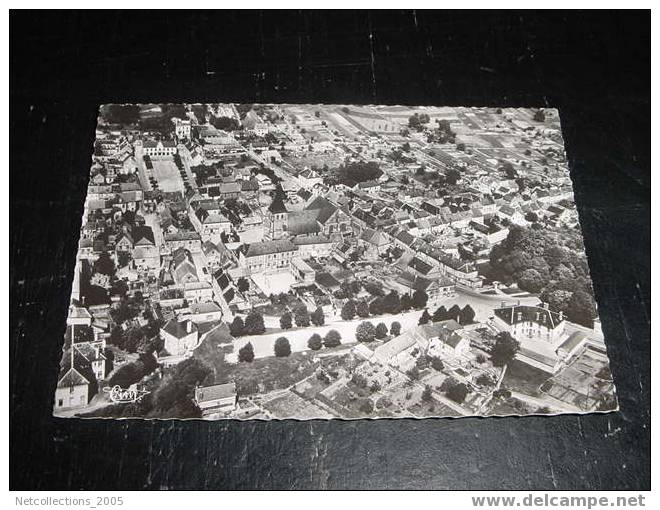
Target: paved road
(484,304)
(263,344)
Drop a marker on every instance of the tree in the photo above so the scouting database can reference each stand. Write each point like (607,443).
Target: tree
(348,310)
(376,307)
(509,170)
(454,313)
(437,363)
(367,406)
(121,114)
(466,315)
(243,284)
(315,342)
(318,317)
(225,123)
(362,309)
(254,324)
(332,338)
(286,322)
(365,332)
(392,303)
(134,339)
(530,280)
(282,347)
(406,303)
(440,314)
(237,327)
(302,317)
(504,350)
(557,299)
(381,330)
(425,318)
(414,122)
(427,394)
(457,393)
(452,176)
(395,328)
(104,265)
(531,216)
(413,373)
(246,353)
(419,299)
(582,308)
(123,258)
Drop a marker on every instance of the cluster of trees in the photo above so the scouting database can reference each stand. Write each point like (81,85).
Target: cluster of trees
(163,121)
(353,173)
(457,391)
(554,266)
(504,350)
(204,172)
(509,170)
(390,303)
(124,114)
(173,396)
(252,325)
(225,123)
(366,332)
(134,371)
(347,289)
(463,315)
(418,120)
(443,133)
(332,339)
(302,318)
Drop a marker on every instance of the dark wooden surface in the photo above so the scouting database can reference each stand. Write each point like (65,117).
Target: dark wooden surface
(594,67)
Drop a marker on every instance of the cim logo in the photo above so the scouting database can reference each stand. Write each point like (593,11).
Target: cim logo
(120,395)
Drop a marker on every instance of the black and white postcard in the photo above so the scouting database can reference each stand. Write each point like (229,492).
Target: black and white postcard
(273,261)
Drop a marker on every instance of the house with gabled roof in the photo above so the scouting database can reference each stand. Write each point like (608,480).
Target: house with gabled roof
(216,400)
(375,242)
(146,255)
(179,337)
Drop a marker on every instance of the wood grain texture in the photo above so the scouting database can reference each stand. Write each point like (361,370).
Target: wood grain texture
(595,68)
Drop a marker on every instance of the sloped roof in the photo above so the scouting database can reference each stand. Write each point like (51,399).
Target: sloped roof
(179,329)
(71,378)
(277,205)
(143,235)
(268,247)
(526,313)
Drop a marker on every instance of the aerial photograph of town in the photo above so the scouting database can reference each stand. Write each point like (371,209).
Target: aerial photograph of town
(274,261)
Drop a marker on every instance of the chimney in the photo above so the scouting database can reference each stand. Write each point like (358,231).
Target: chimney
(545,305)
(519,302)
(561,316)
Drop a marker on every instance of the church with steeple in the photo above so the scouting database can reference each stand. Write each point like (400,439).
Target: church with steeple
(276,219)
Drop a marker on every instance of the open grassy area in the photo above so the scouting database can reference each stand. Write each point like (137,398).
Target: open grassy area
(524,378)
(261,375)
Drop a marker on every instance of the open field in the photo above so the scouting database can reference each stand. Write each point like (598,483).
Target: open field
(167,175)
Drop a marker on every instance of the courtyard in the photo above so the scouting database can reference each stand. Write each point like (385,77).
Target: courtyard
(167,174)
